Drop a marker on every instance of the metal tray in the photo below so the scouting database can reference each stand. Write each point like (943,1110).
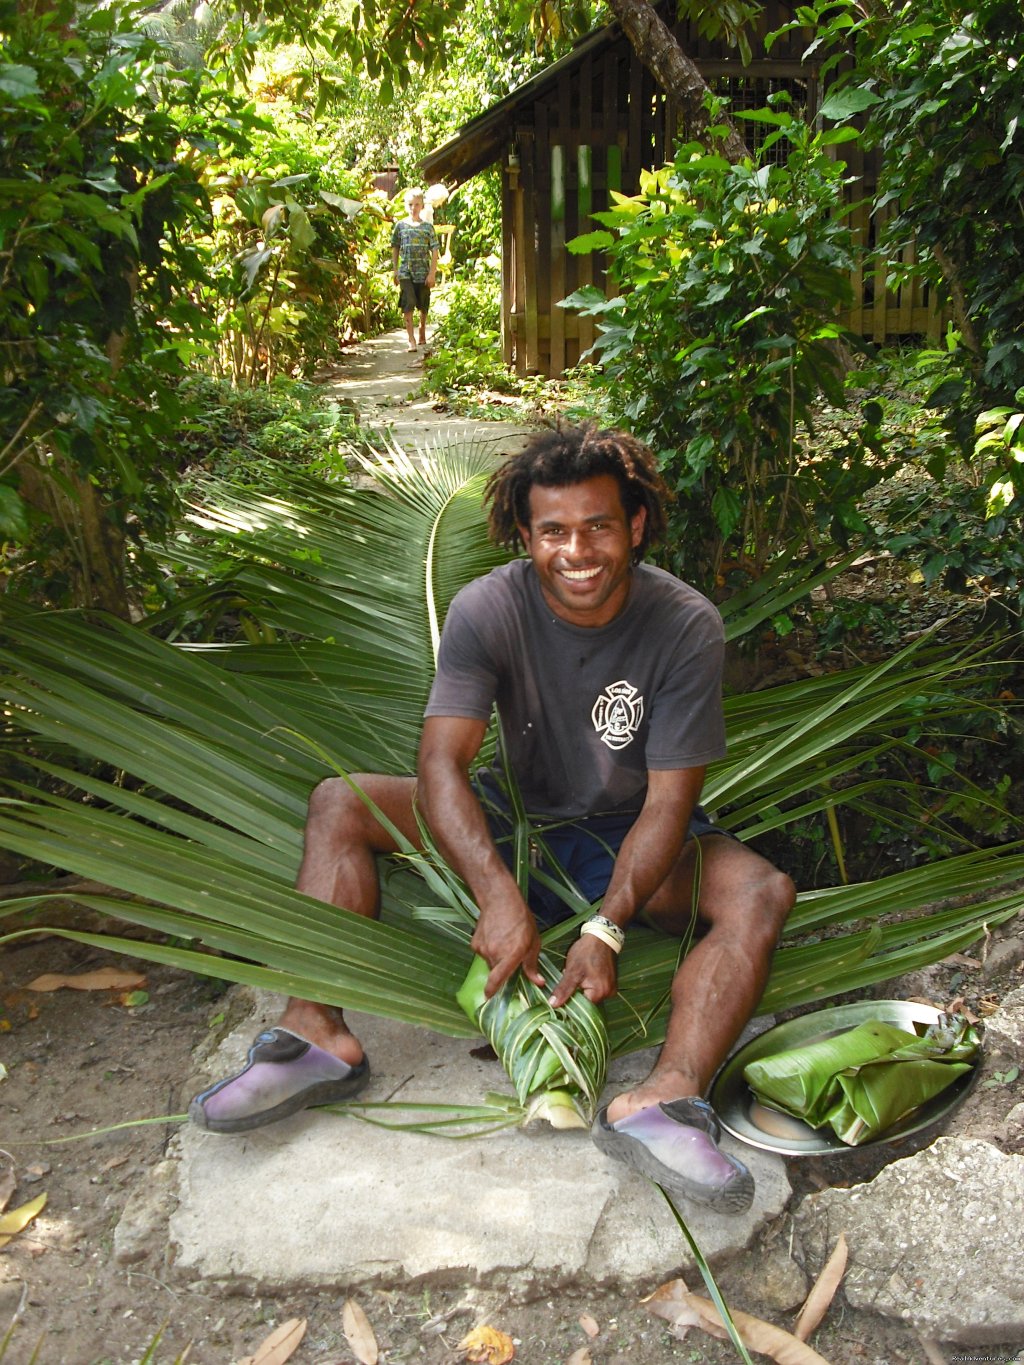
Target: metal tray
(741,1115)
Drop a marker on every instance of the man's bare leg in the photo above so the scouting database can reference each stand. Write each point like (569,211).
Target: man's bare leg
(745,900)
(664,1128)
(312,1057)
(339,865)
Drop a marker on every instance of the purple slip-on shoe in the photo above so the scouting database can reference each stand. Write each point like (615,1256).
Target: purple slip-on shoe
(676,1145)
(283,1074)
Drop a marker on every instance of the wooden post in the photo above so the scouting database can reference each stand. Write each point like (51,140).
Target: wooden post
(528,154)
(558,254)
(509,195)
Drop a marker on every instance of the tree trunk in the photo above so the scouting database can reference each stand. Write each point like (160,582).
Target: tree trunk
(674,71)
(93,557)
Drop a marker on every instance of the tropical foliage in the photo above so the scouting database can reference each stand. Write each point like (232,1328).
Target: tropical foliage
(151,224)
(936,88)
(97,316)
(720,342)
(177,775)
(943,102)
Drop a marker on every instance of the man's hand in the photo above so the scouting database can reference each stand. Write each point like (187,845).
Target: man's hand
(507,938)
(590,968)
(430,280)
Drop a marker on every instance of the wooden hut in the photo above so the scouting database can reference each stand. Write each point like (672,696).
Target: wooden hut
(589,124)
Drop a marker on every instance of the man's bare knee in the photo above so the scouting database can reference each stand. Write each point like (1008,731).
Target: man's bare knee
(771,896)
(335,809)
(748,896)
(360,811)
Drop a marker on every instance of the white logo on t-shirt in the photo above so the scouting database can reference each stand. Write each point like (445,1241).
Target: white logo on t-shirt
(617,714)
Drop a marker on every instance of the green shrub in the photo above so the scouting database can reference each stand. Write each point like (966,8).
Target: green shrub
(238,433)
(467,352)
(722,341)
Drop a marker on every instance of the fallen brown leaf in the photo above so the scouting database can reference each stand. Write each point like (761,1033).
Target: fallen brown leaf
(102,979)
(823,1291)
(280,1346)
(581,1357)
(18,1219)
(674,1302)
(487,1346)
(359,1333)
(589,1325)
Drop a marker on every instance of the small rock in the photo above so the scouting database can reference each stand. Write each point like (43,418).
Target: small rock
(770,1275)
(1013,1125)
(1004,1030)
(1004,955)
(142,1227)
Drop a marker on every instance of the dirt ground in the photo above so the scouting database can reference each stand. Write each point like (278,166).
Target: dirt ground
(80,1060)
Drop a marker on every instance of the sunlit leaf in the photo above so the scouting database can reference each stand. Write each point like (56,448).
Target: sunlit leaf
(487,1346)
(18,1219)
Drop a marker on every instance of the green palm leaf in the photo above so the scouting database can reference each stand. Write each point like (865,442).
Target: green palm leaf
(178,774)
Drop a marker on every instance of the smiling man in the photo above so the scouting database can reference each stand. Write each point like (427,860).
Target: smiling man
(606,676)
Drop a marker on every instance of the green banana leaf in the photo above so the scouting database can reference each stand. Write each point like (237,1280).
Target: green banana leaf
(865,1080)
(176,774)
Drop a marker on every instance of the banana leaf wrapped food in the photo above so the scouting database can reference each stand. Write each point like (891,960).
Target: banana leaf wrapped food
(556,1059)
(865,1080)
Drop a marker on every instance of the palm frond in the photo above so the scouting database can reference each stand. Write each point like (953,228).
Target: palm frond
(177,774)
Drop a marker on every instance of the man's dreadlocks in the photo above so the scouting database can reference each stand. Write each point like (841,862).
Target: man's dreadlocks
(571,455)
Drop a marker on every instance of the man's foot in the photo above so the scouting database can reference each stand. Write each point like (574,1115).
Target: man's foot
(283,1074)
(676,1145)
(412,346)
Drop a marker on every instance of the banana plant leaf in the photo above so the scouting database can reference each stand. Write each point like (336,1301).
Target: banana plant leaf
(176,774)
(865,1080)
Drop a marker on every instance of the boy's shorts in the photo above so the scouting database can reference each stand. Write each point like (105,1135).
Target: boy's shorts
(412,295)
(586,848)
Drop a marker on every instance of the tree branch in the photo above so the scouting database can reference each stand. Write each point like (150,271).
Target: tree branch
(674,71)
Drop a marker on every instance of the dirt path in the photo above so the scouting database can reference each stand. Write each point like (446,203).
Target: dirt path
(382,381)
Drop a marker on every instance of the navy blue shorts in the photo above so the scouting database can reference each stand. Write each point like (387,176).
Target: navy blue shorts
(586,849)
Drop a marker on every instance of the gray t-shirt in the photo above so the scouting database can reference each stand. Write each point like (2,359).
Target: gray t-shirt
(586,711)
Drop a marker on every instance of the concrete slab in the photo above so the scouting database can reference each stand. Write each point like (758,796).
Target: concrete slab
(321,1199)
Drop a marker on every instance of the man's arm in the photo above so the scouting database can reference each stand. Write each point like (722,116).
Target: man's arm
(506,933)
(648,854)
(432,274)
